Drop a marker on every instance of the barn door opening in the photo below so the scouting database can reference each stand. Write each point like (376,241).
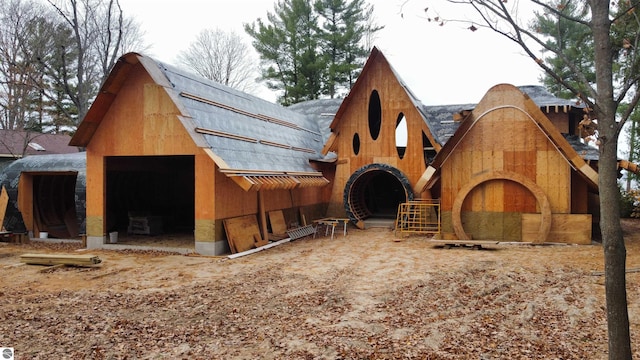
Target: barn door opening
(54,205)
(375,191)
(151,195)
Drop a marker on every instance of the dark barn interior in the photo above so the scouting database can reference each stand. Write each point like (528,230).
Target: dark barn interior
(150,187)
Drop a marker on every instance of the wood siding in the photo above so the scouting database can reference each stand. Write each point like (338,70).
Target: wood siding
(354,119)
(507,135)
(487,148)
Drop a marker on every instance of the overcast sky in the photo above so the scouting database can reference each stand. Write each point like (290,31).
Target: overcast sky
(441,65)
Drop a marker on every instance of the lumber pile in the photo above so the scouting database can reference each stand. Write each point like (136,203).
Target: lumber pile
(60,259)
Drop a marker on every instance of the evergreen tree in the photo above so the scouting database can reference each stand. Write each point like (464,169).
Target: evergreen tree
(312,49)
(573,38)
(288,48)
(344,26)
(570,38)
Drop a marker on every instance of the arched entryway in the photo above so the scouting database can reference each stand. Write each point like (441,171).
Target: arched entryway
(375,191)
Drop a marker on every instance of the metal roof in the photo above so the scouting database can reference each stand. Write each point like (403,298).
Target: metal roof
(246,132)
(321,111)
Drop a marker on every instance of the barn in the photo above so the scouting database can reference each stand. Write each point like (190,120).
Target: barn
(178,154)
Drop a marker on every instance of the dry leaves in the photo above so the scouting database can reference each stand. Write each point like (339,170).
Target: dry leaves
(315,299)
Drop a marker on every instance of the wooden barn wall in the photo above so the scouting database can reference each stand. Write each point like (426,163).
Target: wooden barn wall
(142,121)
(559,119)
(579,194)
(355,120)
(488,148)
(504,139)
(232,201)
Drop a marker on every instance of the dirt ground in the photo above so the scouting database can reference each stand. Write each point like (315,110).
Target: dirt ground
(363,296)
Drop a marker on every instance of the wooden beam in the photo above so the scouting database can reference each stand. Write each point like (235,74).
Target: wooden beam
(263,216)
(60,259)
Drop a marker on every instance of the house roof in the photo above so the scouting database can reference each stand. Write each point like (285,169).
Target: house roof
(564,147)
(440,117)
(248,136)
(321,111)
(16,144)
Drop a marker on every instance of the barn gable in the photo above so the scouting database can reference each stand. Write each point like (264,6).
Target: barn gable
(509,174)
(375,171)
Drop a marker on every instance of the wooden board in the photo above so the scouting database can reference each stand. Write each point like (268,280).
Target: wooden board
(4,200)
(464,242)
(278,224)
(60,259)
(242,232)
(565,228)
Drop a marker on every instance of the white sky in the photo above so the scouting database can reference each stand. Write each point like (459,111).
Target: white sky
(441,65)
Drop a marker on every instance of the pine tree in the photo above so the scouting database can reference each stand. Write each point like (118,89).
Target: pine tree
(344,26)
(309,50)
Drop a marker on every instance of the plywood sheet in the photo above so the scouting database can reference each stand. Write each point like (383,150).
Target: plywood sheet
(278,224)
(242,233)
(4,200)
(565,228)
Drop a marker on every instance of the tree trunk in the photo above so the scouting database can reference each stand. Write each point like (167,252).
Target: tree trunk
(615,254)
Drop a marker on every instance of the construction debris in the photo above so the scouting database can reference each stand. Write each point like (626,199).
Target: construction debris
(60,259)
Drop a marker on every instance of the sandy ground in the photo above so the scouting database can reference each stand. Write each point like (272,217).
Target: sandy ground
(363,296)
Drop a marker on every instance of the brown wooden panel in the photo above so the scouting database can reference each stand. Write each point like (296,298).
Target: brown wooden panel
(278,224)
(232,201)
(25,200)
(565,228)
(555,178)
(4,201)
(579,194)
(242,233)
(446,201)
(95,194)
(500,176)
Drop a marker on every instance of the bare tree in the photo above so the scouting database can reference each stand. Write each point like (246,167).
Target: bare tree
(616,78)
(222,57)
(100,33)
(19,77)
(117,34)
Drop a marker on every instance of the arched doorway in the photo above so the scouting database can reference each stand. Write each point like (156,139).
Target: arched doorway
(375,191)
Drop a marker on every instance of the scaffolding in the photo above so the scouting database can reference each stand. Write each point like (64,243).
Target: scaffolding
(418,217)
